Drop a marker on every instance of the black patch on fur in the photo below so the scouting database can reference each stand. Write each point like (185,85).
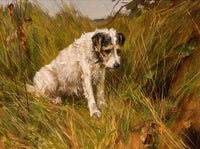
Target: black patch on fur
(120,39)
(105,40)
(98,57)
(100,40)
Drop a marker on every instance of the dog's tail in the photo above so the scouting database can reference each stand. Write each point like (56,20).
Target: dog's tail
(30,88)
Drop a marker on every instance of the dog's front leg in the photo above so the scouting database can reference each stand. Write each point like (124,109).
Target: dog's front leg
(88,92)
(100,91)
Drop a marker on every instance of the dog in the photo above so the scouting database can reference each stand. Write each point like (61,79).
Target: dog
(80,67)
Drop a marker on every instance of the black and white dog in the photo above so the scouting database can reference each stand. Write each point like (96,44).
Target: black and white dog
(80,66)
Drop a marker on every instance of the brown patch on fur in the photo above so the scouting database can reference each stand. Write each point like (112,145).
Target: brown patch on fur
(101,40)
(118,46)
(111,49)
(120,39)
(119,49)
(108,47)
(99,43)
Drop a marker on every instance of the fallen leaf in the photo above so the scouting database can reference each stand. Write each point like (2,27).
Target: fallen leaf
(10,10)
(28,20)
(149,140)
(188,124)
(23,38)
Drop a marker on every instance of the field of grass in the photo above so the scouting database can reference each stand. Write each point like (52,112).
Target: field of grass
(153,99)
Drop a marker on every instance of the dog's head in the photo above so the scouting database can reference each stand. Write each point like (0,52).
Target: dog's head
(108,47)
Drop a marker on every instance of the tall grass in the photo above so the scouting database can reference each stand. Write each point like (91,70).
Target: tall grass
(159,72)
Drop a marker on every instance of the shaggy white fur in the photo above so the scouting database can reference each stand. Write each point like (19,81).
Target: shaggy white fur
(75,70)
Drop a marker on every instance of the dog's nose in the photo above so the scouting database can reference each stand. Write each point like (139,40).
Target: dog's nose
(116,65)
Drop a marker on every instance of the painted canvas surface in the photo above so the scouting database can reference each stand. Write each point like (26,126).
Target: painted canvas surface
(153,98)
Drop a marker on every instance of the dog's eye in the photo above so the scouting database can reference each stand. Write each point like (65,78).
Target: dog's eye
(118,51)
(107,51)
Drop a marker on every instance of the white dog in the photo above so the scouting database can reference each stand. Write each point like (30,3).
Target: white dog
(80,66)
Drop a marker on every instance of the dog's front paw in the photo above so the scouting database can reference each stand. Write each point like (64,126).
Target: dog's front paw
(102,105)
(95,114)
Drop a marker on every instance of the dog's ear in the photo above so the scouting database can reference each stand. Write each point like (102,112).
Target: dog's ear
(100,39)
(120,39)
